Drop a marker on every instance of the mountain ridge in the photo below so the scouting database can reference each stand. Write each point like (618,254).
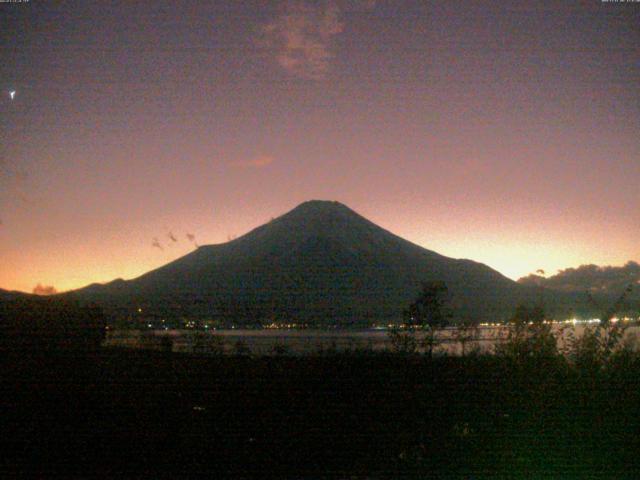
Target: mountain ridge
(321,263)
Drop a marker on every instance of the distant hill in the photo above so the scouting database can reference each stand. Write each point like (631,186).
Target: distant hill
(322,264)
(6,294)
(591,278)
(40,324)
(603,284)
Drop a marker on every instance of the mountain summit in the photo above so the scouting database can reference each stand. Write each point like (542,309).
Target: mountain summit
(322,264)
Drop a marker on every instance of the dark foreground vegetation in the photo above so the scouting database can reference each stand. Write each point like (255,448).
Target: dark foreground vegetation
(47,324)
(122,414)
(532,409)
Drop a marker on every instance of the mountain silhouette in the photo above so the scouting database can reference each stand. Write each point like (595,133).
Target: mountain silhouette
(320,264)
(9,294)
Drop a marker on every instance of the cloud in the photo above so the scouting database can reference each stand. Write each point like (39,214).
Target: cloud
(40,289)
(156,244)
(192,238)
(301,37)
(257,162)
(172,237)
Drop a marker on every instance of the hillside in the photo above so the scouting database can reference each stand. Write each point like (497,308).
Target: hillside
(604,285)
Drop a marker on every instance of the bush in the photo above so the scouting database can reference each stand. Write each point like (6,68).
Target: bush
(280,349)
(598,346)
(403,342)
(329,349)
(465,333)
(241,348)
(528,336)
(206,343)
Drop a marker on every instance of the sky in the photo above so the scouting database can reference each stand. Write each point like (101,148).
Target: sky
(503,132)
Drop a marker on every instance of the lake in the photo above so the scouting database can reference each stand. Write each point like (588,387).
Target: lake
(301,342)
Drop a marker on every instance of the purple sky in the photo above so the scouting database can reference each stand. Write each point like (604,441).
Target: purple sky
(504,132)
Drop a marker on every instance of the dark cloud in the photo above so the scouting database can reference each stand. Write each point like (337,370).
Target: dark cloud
(156,243)
(192,238)
(40,289)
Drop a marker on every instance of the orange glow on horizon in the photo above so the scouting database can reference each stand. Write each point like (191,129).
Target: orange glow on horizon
(115,161)
(117,259)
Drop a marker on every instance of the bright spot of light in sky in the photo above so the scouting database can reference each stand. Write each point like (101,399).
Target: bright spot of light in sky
(12,94)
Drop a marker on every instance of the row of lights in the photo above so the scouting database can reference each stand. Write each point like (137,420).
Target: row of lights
(572,321)
(277,326)
(273,325)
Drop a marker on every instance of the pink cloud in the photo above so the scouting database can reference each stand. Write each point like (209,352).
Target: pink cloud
(40,289)
(260,161)
(301,38)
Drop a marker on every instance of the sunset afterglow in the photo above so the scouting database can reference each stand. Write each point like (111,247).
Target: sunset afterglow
(513,142)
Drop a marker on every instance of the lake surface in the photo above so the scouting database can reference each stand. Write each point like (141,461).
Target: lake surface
(271,341)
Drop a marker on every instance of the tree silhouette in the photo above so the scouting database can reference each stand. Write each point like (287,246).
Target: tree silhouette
(430,312)
(430,307)
(607,314)
(524,315)
(596,346)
